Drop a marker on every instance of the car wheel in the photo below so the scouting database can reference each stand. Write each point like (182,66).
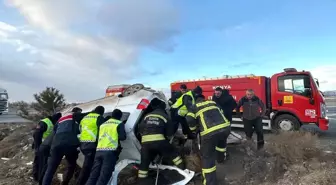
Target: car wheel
(286,122)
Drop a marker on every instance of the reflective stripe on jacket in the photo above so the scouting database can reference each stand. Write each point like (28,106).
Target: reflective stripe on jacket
(208,116)
(108,135)
(50,127)
(153,127)
(182,109)
(89,128)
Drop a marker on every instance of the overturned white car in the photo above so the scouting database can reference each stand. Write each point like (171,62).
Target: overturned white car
(134,102)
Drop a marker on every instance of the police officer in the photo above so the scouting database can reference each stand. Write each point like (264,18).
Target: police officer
(110,132)
(206,117)
(64,143)
(179,111)
(155,130)
(42,131)
(88,138)
(176,95)
(44,150)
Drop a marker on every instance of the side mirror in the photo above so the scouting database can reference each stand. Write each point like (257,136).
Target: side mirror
(318,83)
(311,101)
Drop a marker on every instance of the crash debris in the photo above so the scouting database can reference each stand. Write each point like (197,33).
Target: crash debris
(285,161)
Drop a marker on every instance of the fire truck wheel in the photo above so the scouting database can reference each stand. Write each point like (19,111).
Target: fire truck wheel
(286,122)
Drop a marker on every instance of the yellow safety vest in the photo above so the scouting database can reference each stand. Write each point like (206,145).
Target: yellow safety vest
(179,104)
(108,135)
(50,127)
(89,129)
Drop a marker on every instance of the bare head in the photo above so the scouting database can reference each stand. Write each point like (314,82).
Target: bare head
(249,93)
(183,88)
(218,92)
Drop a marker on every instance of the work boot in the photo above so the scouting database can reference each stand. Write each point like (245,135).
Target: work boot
(260,145)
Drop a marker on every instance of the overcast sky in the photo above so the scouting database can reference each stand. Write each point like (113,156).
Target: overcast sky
(82,46)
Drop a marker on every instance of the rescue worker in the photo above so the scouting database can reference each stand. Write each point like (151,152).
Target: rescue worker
(155,130)
(179,111)
(65,143)
(176,95)
(44,151)
(206,117)
(227,103)
(43,129)
(252,117)
(110,132)
(88,138)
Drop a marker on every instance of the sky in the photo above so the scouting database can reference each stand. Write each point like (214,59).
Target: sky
(82,46)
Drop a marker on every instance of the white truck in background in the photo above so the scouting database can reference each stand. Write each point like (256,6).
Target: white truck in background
(3,101)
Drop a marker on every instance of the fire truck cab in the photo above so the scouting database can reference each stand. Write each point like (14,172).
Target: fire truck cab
(292,98)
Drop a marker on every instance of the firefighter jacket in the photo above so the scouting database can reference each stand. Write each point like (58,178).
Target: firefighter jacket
(89,128)
(156,126)
(207,117)
(50,127)
(109,135)
(180,105)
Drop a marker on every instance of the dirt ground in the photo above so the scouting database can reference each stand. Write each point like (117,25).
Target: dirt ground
(288,159)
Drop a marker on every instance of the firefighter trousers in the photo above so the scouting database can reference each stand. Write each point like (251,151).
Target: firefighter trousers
(44,152)
(56,155)
(208,155)
(221,145)
(150,150)
(89,156)
(254,125)
(102,168)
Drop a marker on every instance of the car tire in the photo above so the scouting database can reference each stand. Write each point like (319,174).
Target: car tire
(286,122)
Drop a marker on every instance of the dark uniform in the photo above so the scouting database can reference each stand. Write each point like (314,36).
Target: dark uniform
(252,118)
(155,130)
(42,131)
(110,133)
(88,138)
(44,153)
(65,143)
(227,103)
(206,117)
(179,111)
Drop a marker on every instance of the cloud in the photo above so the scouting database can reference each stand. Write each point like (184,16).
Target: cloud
(326,76)
(82,46)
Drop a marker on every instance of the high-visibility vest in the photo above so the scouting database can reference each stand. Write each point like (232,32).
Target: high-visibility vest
(108,135)
(89,128)
(50,127)
(182,109)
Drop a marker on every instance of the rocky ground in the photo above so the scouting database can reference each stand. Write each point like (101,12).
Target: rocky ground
(288,159)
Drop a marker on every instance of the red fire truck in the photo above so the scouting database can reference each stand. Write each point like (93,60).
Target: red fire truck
(292,97)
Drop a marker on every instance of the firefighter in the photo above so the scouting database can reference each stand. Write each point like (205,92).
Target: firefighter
(252,117)
(206,118)
(64,143)
(179,111)
(110,132)
(88,138)
(227,103)
(155,130)
(43,129)
(44,151)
